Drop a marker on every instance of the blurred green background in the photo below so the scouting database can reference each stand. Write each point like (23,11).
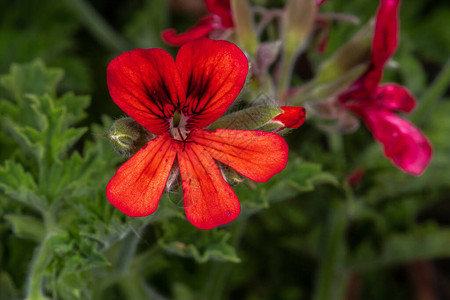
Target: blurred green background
(396,247)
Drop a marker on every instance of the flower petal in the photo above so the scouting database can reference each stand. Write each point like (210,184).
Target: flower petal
(257,155)
(138,184)
(292,117)
(144,83)
(213,73)
(208,200)
(221,8)
(395,97)
(403,143)
(202,29)
(384,42)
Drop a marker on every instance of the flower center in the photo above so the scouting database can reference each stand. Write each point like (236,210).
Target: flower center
(178,129)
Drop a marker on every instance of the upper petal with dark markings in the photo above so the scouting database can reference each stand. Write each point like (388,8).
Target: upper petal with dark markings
(213,74)
(145,84)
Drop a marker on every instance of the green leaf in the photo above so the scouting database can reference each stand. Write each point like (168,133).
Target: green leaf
(7,289)
(185,240)
(421,243)
(27,227)
(33,78)
(20,185)
(298,177)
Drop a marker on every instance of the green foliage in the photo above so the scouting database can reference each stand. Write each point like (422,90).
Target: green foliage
(202,245)
(300,235)
(298,177)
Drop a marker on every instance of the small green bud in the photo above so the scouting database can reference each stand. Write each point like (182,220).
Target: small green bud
(127,136)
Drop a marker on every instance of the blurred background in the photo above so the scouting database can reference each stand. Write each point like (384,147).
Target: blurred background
(398,248)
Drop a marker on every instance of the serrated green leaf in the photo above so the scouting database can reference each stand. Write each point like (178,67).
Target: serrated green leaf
(203,245)
(20,185)
(27,227)
(32,78)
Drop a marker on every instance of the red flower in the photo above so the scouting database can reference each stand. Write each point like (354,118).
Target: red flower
(175,100)
(292,117)
(376,104)
(219,20)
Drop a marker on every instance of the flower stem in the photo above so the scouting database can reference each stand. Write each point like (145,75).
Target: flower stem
(287,66)
(432,95)
(97,25)
(39,263)
(330,281)
(221,271)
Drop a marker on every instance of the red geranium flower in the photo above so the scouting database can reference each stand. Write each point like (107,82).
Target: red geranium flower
(376,104)
(292,117)
(219,20)
(175,100)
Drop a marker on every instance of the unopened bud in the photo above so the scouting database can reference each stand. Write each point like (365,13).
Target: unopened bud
(298,24)
(291,117)
(244,26)
(127,136)
(350,55)
(250,118)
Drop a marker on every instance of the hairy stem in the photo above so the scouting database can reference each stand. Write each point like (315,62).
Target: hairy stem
(331,277)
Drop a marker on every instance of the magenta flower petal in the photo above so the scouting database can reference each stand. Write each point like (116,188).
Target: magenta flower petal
(403,143)
(395,97)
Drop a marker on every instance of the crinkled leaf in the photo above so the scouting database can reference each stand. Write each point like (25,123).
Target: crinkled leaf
(183,239)
(33,78)
(20,185)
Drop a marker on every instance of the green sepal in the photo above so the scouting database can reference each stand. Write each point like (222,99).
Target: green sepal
(250,118)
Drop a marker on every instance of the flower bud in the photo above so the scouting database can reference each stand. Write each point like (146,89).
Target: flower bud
(127,136)
(290,117)
(297,24)
(350,55)
(250,118)
(244,26)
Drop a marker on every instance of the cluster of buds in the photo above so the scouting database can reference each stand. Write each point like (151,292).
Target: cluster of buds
(343,88)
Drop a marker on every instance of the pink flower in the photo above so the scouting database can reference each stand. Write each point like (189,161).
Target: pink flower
(376,104)
(219,20)
(175,100)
